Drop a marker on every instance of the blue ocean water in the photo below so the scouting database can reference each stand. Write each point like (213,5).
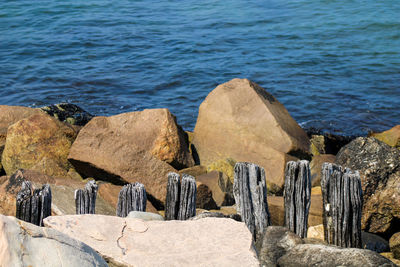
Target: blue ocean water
(334,64)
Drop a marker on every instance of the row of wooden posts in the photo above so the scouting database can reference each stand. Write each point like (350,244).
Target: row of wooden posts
(341,193)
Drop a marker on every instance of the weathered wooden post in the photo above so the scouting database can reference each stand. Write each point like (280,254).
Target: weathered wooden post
(187,205)
(297,196)
(85,199)
(33,206)
(173,195)
(342,205)
(250,192)
(132,197)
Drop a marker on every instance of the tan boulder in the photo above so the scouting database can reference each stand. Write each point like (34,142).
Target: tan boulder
(63,190)
(390,137)
(240,120)
(194,171)
(213,181)
(32,139)
(316,167)
(132,147)
(225,166)
(134,242)
(277,210)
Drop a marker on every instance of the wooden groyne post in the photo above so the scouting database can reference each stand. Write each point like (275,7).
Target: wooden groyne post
(342,205)
(33,205)
(132,197)
(181,197)
(297,196)
(250,192)
(85,199)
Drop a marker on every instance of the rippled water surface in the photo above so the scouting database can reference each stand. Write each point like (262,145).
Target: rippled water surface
(335,65)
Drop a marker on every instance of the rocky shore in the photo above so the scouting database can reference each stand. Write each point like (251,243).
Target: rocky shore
(65,146)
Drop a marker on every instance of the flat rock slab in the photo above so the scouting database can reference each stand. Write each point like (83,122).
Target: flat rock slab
(134,242)
(24,244)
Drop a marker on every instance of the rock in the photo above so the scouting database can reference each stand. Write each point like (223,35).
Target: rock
(134,242)
(316,167)
(390,137)
(215,181)
(32,139)
(226,166)
(68,113)
(369,241)
(242,112)
(194,171)
(277,211)
(10,115)
(204,199)
(316,232)
(389,255)
(276,242)
(62,193)
(132,147)
(208,214)
(379,167)
(322,255)
(145,216)
(24,244)
(394,243)
(326,143)
(317,146)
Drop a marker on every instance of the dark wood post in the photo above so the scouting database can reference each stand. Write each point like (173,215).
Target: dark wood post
(250,192)
(173,195)
(342,205)
(187,205)
(132,197)
(85,199)
(33,205)
(297,196)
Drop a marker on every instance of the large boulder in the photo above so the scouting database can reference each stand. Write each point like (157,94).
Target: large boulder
(323,255)
(138,146)
(35,140)
(134,242)
(379,167)
(63,190)
(390,137)
(24,244)
(241,120)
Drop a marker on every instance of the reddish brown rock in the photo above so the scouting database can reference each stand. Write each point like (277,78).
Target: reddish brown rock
(240,120)
(132,147)
(316,167)
(35,139)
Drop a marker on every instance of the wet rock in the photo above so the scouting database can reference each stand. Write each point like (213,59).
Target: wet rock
(68,113)
(390,137)
(379,167)
(134,242)
(132,147)
(32,140)
(232,123)
(322,255)
(24,244)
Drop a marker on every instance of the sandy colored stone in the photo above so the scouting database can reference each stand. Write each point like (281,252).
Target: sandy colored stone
(277,210)
(132,147)
(134,242)
(212,181)
(316,232)
(24,244)
(316,190)
(394,243)
(316,167)
(194,171)
(390,137)
(241,120)
(225,166)
(31,140)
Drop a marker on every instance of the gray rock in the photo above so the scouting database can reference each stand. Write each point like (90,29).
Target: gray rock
(276,242)
(145,216)
(24,244)
(321,255)
(379,167)
(374,242)
(208,214)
